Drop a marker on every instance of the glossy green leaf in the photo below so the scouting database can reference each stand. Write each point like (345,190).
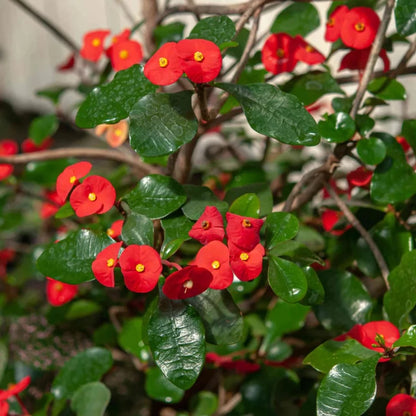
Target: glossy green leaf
(65,211)
(52,93)
(408,339)
(176,228)
(130,338)
(137,229)
(316,292)
(158,387)
(87,366)
(220,315)
(112,102)
(42,127)
(176,339)
(401,298)
(45,172)
(372,151)
(172,32)
(3,358)
(311,86)
(205,403)
(296,19)
(156,196)
(346,303)
(387,89)
(348,389)
(405,14)
(91,399)
(247,205)
(286,279)
(337,128)
(342,104)
(311,238)
(364,123)
(409,132)
(161,123)
(274,113)
(217,29)
(280,226)
(296,252)
(82,308)
(331,352)
(70,260)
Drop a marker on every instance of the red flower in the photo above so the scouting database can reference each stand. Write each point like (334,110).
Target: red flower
(141,267)
(29,146)
(209,227)
(14,389)
(357,59)
(201,59)
(278,53)
(70,177)
(124,35)
(6,256)
(307,53)
(243,231)
(4,408)
(115,134)
(125,53)
(68,64)
(95,195)
(403,143)
(59,293)
(115,229)
(164,67)
(334,23)
(104,264)
(330,219)
(93,45)
(359,27)
(50,208)
(360,177)
(401,405)
(7,148)
(246,265)
(226,361)
(215,258)
(187,282)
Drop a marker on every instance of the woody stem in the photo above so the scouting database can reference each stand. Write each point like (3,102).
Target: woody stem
(171,264)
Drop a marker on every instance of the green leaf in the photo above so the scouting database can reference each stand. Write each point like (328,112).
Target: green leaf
(176,339)
(65,211)
(247,205)
(172,32)
(296,252)
(401,298)
(42,127)
(337,128)
(346,303)
(331,352)
(348,389)
(409,132)
(87,366)
(176,228)
(204,404)
(342,104)
(112,102)
(158,387)
(162,123)
(311,86)
(3,359)
(45,172)
(364,123)
(52,93)
(408,339)
(156,196)
(82,308)
(371,151)
(217,29)
(286,279)
(297,19)
(405,14)
(387,89)
(316,293)
(131,340)
(91,399)
(274,113)
(137,229)
(70,260)
(241,39)
(280,226)
(220,315)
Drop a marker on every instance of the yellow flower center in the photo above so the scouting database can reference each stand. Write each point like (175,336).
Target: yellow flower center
(123,54)
(246,223)
(140,268)
(206,225)
(189,284)
(330,22)
(92,196)
(215,264)
(110,262)
(59,287)
(118,132)
(359,27)
(280,53)
(244,256)
(309,48)
(198,56)
(110,232)
(72,179)
(96,42)
(163,62)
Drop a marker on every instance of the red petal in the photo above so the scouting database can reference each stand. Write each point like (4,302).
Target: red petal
(102,271)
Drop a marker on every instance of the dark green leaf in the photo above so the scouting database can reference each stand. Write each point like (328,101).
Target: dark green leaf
(408,339)
(158,387)
(247,205)
(205,404)
(311,238)
(217,29)
(87,366)
(112,102)
(405,14)
(70,260)
(131,340)
(42,127)
(274,113)
(172,32)
(3,358)
(91,399)
(65,211)
(176,228)
(297,19)
(316,293)
(374,102)
(364,123)
(161,123)
(409,132)
(156,196)
(82,308)
(52,93)
(137,229)
(280,226)
(342,104)
(337,128)
(241,39)
(296,252)
(387,89)
(220,315)
(371,151)
(45,172)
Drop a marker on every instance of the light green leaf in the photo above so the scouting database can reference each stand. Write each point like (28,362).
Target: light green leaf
(42,127)
(91,399)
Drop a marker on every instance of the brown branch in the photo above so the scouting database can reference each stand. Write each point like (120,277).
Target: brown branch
(228,406)
(150,13)
(405,60)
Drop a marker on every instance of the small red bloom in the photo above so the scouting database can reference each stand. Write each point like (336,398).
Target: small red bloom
(70,177)
(330,219)
(141,267)
(68,64)
(59,293)
(306,53)
(29,146)
(278,53)
(243,231)
(357,59)
(334,23)
(360,177)
(125,53)
(4,408)
(401,405)
(201,59)
(215,258)
(164,67)
(6,256)
(95,195)
(50,208)
(7,147)
(93,45)
(359,27)
(15,388)
(403,143)
(209,227)
(124,35)
(187,282)
(246,265)
(115,229)
(104,264)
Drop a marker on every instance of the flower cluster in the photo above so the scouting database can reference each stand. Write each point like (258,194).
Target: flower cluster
(199,59)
